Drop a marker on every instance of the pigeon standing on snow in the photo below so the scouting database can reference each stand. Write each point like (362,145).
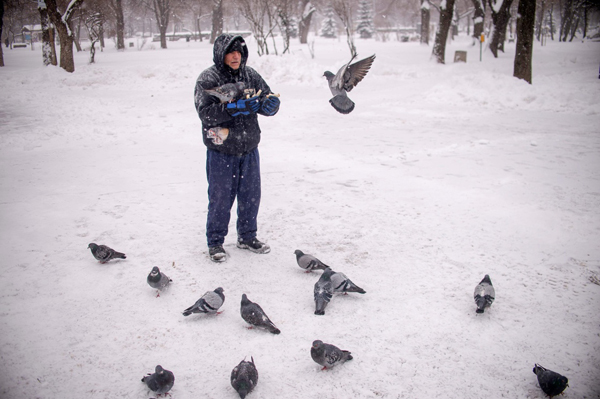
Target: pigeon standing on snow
(551,382)
(328,355)
(309,262)
(341,283)
(161,381)
(104,253)
(210,302)
(323,292)
(344,81)
(157,279)
(253,314)
(227,92)
(484,294)
(244,377)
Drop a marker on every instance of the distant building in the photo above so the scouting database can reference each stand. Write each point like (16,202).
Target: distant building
(30,33)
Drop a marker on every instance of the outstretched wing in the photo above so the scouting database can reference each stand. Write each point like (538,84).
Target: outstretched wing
(356,72)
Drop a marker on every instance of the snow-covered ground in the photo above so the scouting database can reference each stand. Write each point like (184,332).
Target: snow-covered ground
(442,174)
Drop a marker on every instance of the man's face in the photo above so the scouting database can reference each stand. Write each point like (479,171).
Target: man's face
(233,60)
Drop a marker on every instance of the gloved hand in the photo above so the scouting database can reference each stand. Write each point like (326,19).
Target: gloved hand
(270,105)
(244,106)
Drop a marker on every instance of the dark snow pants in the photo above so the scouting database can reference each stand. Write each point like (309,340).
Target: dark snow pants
(231,176)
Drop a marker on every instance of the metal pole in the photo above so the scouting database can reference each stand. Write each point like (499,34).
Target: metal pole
(481,40)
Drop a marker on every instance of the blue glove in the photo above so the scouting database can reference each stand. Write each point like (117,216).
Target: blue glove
(270,105)
(243,106)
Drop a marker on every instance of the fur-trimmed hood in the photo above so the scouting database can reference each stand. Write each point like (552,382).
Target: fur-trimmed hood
(222,44)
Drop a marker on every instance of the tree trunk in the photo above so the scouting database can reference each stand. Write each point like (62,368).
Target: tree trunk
(77,35)
(525,30)
(478,18)
(441,36)
(217,20)
(65,35)
(585,21)
(48,50)
(66,48)
(102,37)
(162,9)
(1,27)
(550,14)
(540,20)
(500,17)
(120,25)
(574,27)
(425,18)
(567,21)
(307,10)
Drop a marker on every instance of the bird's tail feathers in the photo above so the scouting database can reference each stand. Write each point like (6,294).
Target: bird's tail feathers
(357,289)
(321,266)
(274,330)
(188,311)
(272,327)
(119,255)
(481,302)
(347,355)
(342,104)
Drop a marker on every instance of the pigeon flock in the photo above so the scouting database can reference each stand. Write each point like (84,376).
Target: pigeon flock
(244,376)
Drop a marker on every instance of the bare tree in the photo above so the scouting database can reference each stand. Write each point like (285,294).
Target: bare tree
(93,20)
(306,12)
(65,34)
(343,9)
(500,17)
(116,7)
(525,29)
(441,36)
(285,13)
(262,16)
(162,10)
(478,18)
(217,20)
(425,18)
(48,49)
(1,28)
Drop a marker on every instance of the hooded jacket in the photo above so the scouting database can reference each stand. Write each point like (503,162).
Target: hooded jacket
(244,131)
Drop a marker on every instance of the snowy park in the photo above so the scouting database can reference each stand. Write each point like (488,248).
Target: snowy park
(441,174)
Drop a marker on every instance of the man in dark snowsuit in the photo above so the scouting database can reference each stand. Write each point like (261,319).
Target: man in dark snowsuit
(232,160)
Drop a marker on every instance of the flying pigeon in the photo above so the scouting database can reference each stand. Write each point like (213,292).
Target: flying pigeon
(227,92)
(328,355)
(244,377)
(158,280)
(104,253)
(551,382)
(210,302)
(344,81)
(341,283)
(253,314)
(161,381)
(323,292)
(484,294)
(309,262)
